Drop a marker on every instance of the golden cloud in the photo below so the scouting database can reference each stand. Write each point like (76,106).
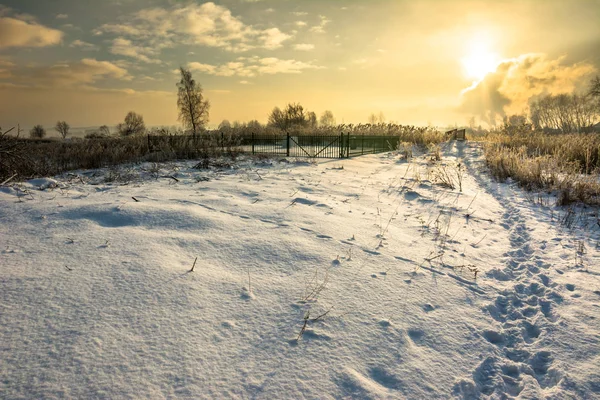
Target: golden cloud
(18,33)
(508,89)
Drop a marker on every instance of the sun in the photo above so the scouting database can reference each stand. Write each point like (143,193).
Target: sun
(480,61)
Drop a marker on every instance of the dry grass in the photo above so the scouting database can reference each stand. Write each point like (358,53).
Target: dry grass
(566,164)
(580,149)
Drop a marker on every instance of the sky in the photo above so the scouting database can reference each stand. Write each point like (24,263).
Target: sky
(417,62)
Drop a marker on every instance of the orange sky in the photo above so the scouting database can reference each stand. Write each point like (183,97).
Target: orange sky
(90,64)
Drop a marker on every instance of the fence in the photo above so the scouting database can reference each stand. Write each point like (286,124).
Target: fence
(343,145)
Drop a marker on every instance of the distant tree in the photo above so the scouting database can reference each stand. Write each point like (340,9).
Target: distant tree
(277,119)
(372,119)
(295,116)
(254,125)
(595,87)
(63,128)
(193,108)
(225,125)
(311,119)
(104,130)
(563,112)
(327,118)
(37,132)
(133,125)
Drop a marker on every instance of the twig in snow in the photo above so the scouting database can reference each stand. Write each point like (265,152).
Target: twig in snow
(322,315)
(192,270)
(484,236)
(293,203)
(307,319)
(136,200)
(68,269)
(7,180)
(306,316)
(170,176)
(249,283)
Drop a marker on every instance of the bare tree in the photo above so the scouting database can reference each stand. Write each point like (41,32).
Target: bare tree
(63,128)
(595,87)
(104,130)
(277,119)
(563,112)
(133,125)
(327,118)
(293,116)
(311,120)
(193,108)
(225,125)
(37,132)
(372,119)
(254,125)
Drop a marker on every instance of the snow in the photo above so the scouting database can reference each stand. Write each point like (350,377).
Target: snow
(311,281)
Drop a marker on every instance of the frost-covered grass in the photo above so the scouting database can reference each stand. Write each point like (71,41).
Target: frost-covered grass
(361,278)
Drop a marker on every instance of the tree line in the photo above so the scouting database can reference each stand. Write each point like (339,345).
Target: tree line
(193,113)
(564,113)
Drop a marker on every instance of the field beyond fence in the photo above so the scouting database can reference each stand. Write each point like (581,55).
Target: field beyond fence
(28,158)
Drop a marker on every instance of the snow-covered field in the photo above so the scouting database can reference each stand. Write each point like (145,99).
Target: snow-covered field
(357,278)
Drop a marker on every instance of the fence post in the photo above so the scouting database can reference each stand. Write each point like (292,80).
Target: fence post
(341,145)
(362,145)
(288,144)
(252,143)
(148,143)
(348,147)
(222,142)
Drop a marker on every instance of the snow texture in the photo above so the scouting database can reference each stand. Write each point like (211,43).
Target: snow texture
(359,278)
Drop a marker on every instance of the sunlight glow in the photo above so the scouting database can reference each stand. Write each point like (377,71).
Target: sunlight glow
(480,60)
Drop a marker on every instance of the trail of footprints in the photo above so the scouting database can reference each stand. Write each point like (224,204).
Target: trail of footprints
(524,312)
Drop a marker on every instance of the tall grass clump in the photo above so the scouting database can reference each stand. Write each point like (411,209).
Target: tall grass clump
(565,163)
(583,149)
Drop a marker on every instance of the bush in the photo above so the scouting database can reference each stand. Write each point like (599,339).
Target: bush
(133,125)
(37,132)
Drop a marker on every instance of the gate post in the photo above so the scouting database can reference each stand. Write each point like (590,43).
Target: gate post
(348,146)
(252,143)
(287,144)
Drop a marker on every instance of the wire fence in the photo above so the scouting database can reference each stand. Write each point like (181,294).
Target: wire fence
(343,145)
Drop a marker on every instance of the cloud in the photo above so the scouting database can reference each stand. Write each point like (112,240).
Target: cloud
(62,16)
(304,47)
(125,47)
(207,24)
(273,38)
(83,45)
(78,74)
(321,27)
(250,67)
(300,23)
(19,33)
(508,89)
